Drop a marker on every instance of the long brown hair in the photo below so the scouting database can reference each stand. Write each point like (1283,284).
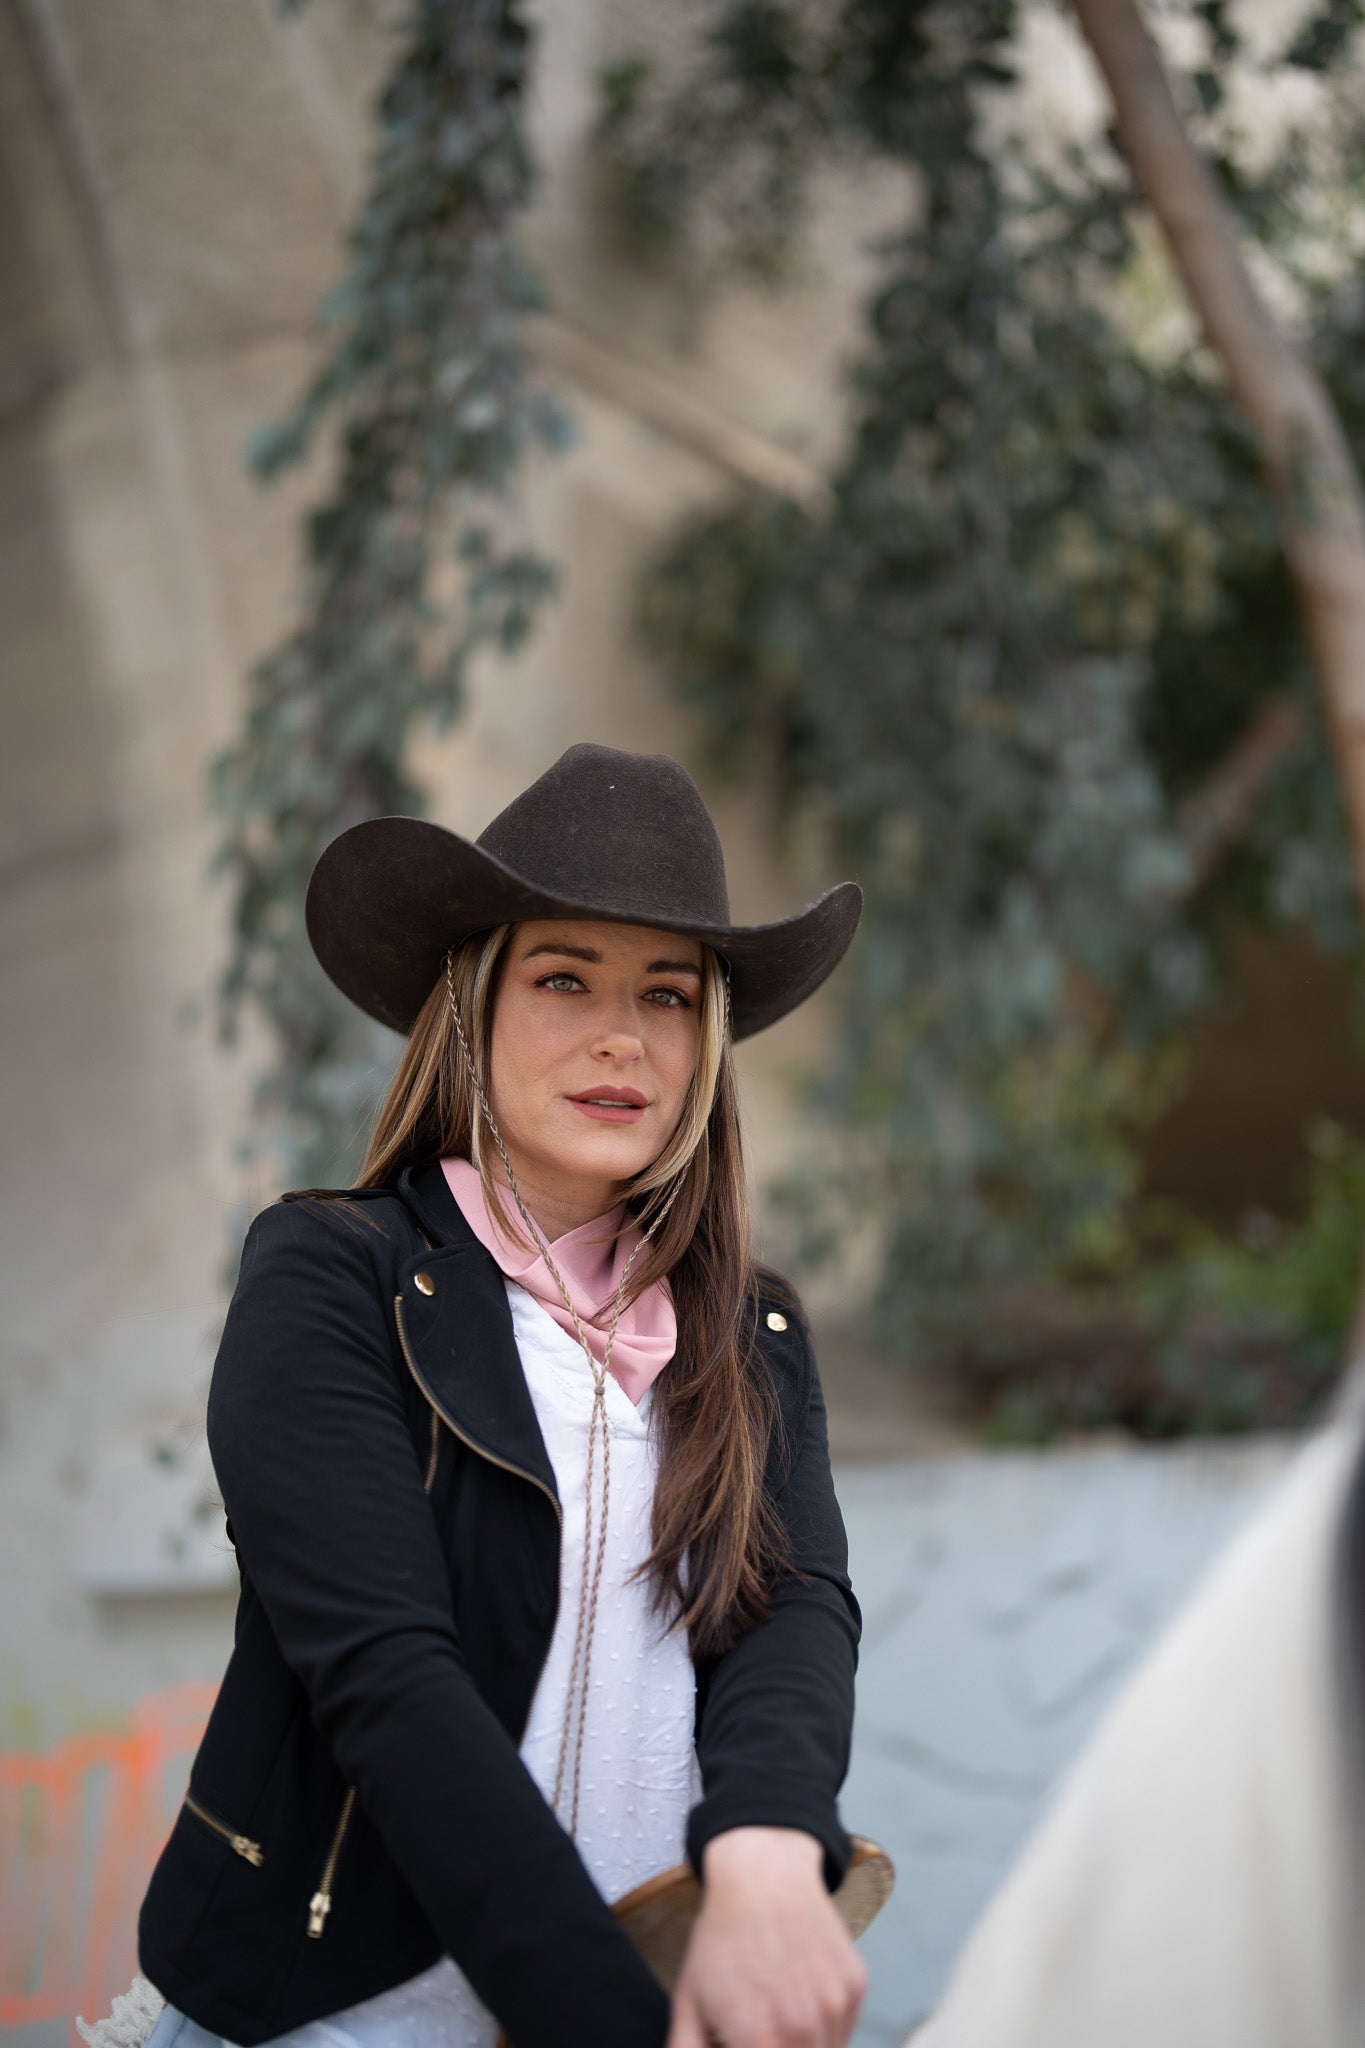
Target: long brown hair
(713,1408)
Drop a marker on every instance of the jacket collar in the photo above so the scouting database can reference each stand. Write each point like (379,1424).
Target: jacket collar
(426,1191)
(457,1328)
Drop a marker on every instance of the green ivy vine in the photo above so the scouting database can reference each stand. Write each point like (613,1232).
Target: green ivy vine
(410,571)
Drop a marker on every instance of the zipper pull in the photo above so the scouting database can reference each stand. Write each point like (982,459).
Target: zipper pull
(319,1906)
(243,1845)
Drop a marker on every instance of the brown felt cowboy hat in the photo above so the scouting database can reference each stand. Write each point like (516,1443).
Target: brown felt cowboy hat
(601,834)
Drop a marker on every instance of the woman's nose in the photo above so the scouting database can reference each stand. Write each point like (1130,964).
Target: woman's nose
(618,1035)
(617,1043)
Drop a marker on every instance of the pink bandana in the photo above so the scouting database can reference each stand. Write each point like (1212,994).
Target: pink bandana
(591,1263)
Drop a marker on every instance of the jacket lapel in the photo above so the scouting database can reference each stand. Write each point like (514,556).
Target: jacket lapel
(457,1327)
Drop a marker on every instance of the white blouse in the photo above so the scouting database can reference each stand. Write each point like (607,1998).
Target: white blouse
(639,1771)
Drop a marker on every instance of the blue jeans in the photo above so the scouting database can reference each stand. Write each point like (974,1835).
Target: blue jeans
(175,2029)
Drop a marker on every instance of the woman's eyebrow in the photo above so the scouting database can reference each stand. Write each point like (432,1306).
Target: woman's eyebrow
(594,958)
(573,952)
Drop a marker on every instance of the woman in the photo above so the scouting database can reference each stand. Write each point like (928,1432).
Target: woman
(543,1582)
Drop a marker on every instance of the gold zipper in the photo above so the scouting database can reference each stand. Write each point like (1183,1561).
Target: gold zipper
(478,1449)
(251,1851)
(435,1445)
(480,1452)
(320,1905)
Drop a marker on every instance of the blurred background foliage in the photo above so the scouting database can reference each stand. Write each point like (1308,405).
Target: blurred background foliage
(1033,671)
(412,562)
(1029,667)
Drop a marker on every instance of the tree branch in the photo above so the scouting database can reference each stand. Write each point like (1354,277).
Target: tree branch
(1216,814)
(635,389)
(1307,457)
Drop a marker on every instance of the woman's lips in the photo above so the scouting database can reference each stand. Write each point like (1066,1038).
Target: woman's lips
(611,1106)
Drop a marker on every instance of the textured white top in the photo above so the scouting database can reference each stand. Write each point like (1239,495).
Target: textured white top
(640,1777)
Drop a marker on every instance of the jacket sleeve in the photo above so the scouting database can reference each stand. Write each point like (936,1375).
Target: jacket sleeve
(321,1479)
(777,1707)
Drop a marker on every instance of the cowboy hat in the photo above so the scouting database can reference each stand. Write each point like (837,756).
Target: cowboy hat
(601,834)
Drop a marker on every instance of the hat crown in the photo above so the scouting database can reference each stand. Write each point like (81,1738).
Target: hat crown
(628,833)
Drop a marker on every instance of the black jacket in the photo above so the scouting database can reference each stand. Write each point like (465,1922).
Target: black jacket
(357,1805)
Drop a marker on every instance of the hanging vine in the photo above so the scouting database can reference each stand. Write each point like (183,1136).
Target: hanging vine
(425,386)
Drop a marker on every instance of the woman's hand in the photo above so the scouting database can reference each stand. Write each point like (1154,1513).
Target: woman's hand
(770,1963)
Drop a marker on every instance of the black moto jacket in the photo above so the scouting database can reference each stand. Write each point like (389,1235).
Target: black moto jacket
(357,1805)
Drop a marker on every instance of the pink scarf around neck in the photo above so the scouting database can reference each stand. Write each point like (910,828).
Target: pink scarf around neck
(591,1260)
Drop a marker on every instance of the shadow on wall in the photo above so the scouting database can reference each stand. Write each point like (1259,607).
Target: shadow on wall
(80,1829)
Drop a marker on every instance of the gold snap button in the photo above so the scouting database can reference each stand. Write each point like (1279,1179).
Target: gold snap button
(424,1283)
(775,1321)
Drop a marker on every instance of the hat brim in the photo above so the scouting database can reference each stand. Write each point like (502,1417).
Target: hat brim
(387,897)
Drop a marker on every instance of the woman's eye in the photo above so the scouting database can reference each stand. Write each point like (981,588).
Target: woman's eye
(564,983)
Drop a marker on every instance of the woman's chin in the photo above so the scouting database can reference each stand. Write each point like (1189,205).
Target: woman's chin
(603,1157)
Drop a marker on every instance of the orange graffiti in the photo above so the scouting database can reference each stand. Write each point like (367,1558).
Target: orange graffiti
(80,1829)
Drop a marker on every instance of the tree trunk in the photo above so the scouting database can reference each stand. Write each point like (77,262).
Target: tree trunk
(1307,457)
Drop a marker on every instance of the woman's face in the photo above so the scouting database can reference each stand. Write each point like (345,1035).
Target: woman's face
(595,1038)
